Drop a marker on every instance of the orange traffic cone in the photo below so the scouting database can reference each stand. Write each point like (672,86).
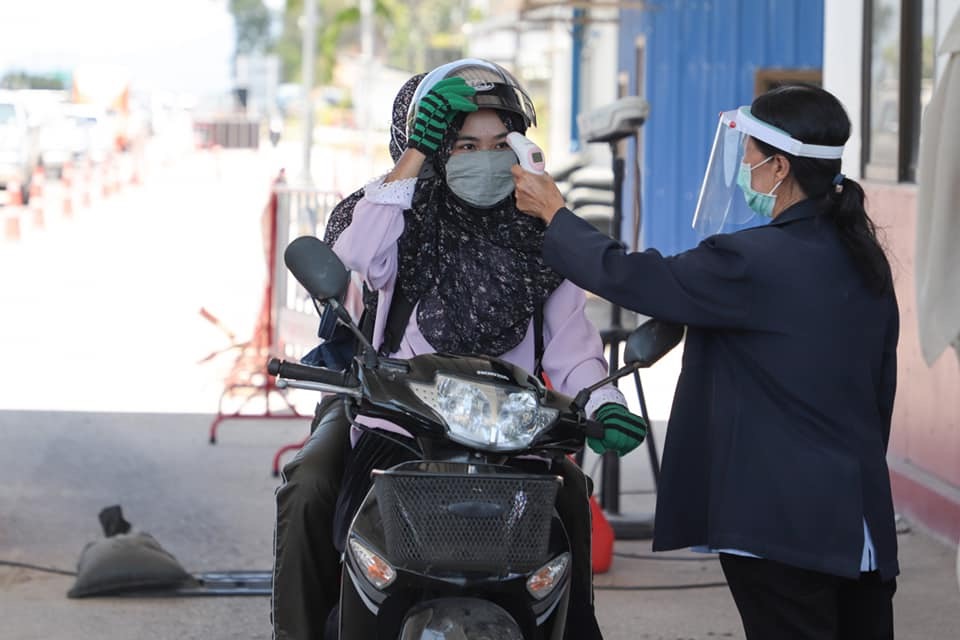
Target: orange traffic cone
(11,225)
(86,198)
(36,197)
(14,193)
(11,222)
(66,179)
(106,182)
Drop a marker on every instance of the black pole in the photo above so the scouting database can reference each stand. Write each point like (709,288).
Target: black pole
(651,442)
(610,488)
(625,528)
(610,485)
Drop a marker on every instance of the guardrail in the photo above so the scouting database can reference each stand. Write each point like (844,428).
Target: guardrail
(300,211)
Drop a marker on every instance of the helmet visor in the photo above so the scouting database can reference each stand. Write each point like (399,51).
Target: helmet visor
(496,88)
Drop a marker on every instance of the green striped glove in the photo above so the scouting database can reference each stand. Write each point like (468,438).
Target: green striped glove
(436,111)
(623,431)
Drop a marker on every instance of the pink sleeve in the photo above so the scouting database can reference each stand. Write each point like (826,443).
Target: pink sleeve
(368,246)
(573,352)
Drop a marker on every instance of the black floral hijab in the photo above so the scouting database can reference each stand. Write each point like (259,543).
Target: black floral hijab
(477,274)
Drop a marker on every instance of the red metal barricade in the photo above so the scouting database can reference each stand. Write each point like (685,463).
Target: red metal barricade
(286,324)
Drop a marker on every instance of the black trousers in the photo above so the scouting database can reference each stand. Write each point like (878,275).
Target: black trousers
(777,601)
(307,563)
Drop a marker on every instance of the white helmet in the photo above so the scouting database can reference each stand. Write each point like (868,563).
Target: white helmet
(496,88)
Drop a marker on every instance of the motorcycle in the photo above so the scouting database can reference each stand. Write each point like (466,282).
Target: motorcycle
(464,542)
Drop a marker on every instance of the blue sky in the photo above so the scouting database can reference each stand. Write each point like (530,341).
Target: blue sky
(180,45)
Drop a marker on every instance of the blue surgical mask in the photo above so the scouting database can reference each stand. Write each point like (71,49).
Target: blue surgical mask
(761,203)
(481,178)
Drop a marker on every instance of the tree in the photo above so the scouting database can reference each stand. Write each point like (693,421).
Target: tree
(405,32)
(25,80)
(251,20)
(338,21)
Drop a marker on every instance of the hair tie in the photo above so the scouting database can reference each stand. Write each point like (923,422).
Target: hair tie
(838,183)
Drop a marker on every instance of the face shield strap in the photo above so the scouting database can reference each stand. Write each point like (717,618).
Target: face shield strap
(741,119)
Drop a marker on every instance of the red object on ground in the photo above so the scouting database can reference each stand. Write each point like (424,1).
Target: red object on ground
(601,540)
(248,377)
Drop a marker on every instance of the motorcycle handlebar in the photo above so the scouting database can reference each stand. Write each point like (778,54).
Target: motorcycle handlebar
(594,429)
(295,371)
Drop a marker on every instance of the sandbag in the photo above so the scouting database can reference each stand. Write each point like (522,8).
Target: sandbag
(125,561)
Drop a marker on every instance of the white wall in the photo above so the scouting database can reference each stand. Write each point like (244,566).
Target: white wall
(560,53)
(842,69)
(598,80)
(947,9)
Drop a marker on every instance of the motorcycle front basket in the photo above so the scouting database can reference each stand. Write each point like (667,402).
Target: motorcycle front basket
(490,523)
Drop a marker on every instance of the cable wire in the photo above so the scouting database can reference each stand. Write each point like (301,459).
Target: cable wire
(36,567)
(663,587)
(657,556)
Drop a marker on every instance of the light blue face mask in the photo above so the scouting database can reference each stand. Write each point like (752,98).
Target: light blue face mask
(761,203)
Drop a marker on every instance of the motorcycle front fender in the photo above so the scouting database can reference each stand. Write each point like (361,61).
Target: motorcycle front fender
(459,618)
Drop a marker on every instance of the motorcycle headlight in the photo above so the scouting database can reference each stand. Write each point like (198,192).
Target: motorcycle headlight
(488,416)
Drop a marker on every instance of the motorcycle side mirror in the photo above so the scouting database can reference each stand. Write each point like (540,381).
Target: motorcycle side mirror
(651,341)
(315,266)
(645,345)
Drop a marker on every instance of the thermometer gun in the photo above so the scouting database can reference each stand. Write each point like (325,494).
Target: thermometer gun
(529,154)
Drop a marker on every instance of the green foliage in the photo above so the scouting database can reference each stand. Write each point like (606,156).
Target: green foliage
(251,20)
(24,80)
(404,30)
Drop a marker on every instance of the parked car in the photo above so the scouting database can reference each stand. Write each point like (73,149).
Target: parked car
(97,132)
(18,144)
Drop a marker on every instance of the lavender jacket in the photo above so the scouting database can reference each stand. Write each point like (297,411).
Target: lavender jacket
(573,353)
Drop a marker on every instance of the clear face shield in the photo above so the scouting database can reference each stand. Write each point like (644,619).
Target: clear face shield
(721,207)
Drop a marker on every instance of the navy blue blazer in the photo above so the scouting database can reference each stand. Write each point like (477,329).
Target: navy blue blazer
(777,437)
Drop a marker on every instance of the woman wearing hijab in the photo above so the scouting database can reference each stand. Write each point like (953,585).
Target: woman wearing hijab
(775,451)
(456,268)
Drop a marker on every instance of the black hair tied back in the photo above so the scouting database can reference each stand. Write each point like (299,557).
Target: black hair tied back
(815,116)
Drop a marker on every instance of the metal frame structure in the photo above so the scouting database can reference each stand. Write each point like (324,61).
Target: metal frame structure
(287,322)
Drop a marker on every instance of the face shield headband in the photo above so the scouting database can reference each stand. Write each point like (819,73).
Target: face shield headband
(720,207)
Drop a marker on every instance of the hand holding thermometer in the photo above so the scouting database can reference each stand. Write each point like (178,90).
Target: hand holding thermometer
(530,155)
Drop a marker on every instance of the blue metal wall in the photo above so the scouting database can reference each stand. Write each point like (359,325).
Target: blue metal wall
(701,58)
